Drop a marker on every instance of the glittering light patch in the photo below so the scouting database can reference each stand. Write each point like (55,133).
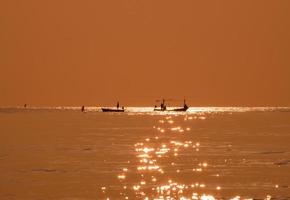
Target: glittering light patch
(121,176)
(136,187)
(236,198)
(207,197)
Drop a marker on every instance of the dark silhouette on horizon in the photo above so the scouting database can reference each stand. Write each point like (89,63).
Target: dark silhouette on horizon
(164,108)
(113,109)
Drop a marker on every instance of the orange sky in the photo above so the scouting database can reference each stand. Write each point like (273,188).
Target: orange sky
(93,52)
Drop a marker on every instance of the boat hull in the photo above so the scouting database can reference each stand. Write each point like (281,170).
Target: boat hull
(179,109)
(171,110)
(112,110)
(158,109)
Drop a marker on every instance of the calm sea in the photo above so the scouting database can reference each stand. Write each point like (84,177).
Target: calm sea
(205,153)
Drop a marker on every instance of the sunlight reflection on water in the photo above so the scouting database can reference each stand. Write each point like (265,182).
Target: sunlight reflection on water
(204,153)
(159,170)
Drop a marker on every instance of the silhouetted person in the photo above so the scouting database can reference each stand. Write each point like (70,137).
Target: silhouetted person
(25,105)
(83,108)
(163,107)
(184,105)
(118,105)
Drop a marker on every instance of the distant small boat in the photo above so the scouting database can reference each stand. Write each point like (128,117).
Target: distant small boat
(117,109)
(183,109)
(164,108)
(112,110)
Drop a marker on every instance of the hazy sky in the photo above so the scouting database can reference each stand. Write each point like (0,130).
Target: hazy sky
(93,52)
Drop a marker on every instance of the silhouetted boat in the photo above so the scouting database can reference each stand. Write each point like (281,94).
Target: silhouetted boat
(117,109)
(164,108)
(112,110)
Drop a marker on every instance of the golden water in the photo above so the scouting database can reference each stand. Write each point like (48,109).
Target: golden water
(205,153)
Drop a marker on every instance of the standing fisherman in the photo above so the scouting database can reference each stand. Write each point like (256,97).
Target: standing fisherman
(118,105)
(184,105)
